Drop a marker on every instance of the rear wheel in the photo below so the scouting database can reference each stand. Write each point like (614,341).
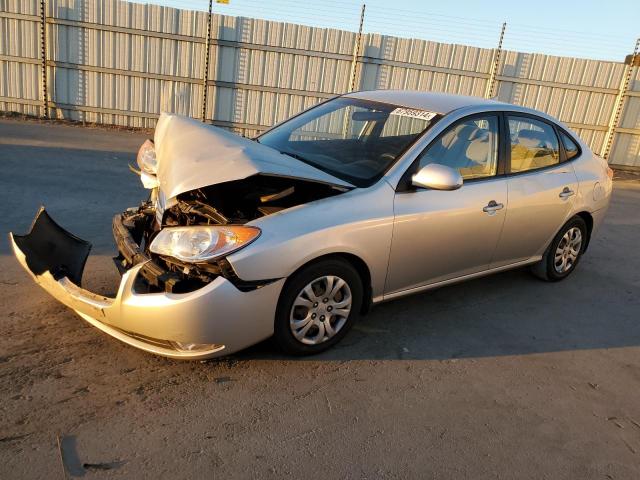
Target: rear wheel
(564,252)
(317,307)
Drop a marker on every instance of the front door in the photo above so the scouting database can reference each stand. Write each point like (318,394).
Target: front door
(439,235)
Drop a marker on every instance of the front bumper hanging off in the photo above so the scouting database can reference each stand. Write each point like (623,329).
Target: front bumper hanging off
(214,320)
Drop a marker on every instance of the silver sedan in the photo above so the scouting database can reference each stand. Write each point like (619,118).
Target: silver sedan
(363,198)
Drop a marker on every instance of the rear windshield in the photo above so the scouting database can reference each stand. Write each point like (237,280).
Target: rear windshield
(352,139)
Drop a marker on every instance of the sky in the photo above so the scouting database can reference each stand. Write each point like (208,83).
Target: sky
(604,30)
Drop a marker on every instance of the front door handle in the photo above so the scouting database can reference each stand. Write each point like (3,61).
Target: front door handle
(492,207)
(566,192)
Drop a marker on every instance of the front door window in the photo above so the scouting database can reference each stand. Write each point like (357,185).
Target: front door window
(470,146)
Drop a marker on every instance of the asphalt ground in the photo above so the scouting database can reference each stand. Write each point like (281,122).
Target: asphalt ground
(500,377)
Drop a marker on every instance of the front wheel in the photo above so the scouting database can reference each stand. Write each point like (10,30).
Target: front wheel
(564,253)
(317,307)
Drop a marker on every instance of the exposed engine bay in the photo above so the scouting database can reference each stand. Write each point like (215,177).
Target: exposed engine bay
(236,202)
(241,201)
(202,203)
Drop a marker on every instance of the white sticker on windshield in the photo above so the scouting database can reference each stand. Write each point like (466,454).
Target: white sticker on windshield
(410,112)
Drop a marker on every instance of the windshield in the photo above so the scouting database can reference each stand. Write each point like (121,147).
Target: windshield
(352,139)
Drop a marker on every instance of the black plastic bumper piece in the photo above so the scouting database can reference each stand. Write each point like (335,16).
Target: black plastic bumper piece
(49,247)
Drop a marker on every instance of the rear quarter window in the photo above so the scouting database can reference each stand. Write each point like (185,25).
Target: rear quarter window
(571,148)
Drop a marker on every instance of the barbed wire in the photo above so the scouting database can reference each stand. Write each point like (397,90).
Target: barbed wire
(425,25)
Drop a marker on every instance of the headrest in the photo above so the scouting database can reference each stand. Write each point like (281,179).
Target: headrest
(466,132)
(459,132)
(480,149)
(531,138)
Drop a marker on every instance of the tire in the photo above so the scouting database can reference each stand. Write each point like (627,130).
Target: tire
(303,304)
(561,259)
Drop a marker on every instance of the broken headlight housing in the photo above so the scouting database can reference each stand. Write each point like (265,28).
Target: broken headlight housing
(147,158)
(148,164)
(202,243)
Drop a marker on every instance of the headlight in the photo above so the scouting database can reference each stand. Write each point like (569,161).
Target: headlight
(202,243)
(147,158)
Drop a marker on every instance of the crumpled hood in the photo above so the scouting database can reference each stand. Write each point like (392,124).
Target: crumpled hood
(193,155)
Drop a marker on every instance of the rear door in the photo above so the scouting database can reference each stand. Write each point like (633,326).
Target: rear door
(541,189)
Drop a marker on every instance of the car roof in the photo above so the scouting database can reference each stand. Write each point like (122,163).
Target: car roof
(432,101)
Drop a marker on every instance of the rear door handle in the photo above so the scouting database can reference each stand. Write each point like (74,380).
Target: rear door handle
(492,207)
(566,192)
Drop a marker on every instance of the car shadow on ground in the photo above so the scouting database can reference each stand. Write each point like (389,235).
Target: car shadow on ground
(510,313)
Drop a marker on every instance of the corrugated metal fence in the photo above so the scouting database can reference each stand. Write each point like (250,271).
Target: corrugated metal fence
(122,63)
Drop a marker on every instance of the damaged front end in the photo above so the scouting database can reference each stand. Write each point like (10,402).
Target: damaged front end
(179,295)
(215,194)
(232,204)
(215,313)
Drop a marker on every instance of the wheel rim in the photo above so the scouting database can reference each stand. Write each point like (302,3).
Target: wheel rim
(568,250)
(320,310)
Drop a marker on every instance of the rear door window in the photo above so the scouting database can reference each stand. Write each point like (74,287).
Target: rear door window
(571,149)
(534,144)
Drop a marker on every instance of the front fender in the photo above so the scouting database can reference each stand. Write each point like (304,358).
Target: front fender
(359,223)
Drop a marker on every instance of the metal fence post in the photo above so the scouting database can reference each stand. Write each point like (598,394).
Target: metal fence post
(356,51)
(495,63)
(617,108)
(207,54)
(43,53)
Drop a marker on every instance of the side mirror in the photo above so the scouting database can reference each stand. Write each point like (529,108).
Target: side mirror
(437,177)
